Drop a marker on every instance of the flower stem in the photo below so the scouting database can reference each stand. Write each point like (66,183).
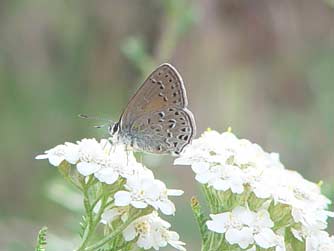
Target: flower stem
(200,218)
(116,232)
(88,211)
(92,223)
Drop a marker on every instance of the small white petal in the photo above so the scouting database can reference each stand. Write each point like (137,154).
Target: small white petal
(55,160)
(266,238)
(237,188)
(200,167)
(220,185)
(205,177)
(244,215)
(243,237)
(122,198)
(42,156)
(107,175)
(110,215)
(219,222)
(167,207)
(174,192)
(129,233)
(87,168)
(138,204)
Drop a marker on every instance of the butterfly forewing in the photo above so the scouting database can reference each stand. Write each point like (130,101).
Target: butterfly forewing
(156,119)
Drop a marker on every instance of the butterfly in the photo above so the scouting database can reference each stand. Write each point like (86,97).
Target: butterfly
(156,119)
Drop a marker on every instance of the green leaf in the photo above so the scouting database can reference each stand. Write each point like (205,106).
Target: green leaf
(41,239)
(200,218)
(83,226)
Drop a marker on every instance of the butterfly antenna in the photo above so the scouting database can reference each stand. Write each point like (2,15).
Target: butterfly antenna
(100,126)
(84,116)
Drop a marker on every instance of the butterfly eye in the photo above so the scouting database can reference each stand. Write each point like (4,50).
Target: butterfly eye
(113,128)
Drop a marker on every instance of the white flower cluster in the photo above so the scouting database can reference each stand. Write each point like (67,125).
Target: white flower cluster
(107,162)
(152,232)
(225,163)
(244,227)
(110,162)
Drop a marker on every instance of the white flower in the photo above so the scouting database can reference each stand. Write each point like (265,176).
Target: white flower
(225,162)
(308,205)
(145,190)
(152,232)
(264,236)
(91,156)
(320,241)
(221,177)
(235,225)
(244,227)
(58,154)
(107,162)
(110,215)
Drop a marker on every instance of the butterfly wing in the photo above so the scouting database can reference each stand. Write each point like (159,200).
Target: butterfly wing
(156,118)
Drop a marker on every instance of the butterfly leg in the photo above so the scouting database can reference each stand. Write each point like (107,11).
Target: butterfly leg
(127,154)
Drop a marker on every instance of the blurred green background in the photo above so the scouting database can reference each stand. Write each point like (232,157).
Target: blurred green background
(263,67)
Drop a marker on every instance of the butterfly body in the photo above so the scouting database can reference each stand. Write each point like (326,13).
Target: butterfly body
(156,119)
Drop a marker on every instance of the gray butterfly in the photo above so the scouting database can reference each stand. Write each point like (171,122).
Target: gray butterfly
(156,119)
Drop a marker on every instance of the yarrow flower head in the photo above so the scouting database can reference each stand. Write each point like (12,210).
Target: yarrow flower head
(58,154)
(145,190)
(105,161)
(254,192)
(244,227)
(118,191)
(152,232)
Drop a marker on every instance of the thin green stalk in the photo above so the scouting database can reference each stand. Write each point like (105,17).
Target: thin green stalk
(116,232)
(209,198)
(97,200)
(101,210)
(200,218)
(88,212)
(65,169)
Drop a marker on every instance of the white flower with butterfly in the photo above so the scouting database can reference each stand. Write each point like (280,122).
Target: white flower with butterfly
(156,120)
(106,161)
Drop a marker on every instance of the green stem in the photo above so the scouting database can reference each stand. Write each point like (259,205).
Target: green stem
(92,223)
(209,198)
(88,212)
(116,232)
(101,210)
(65,171)
(200,218)
(97,200)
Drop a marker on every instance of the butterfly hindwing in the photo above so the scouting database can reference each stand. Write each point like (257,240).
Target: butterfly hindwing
(165,131)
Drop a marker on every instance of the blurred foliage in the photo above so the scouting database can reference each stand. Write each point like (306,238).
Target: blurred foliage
(263,67)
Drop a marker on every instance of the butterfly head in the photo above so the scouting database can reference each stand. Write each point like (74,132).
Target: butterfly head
(113,129)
